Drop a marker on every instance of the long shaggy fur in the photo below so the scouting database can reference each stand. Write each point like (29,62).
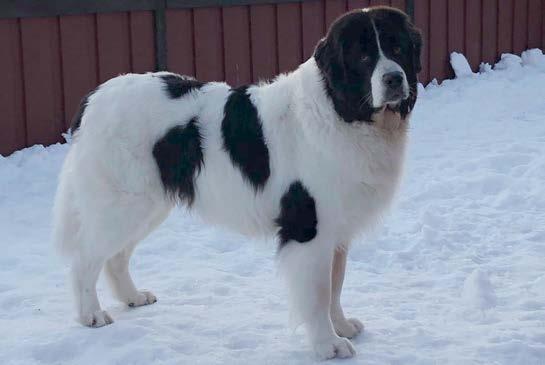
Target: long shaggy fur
(313,158)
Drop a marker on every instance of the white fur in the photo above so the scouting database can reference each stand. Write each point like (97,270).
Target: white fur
(111,196)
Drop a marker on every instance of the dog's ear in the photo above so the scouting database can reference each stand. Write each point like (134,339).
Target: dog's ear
(330,59)
(416,38)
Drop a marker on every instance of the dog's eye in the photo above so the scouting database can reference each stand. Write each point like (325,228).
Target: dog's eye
(397,50)
(365,58)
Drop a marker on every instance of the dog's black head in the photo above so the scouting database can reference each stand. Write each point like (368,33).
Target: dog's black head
(369,60)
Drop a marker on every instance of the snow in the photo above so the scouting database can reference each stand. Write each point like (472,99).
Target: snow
(455,276)
(460,65)
(478,292)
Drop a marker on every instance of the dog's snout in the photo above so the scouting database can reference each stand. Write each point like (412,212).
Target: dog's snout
(393,80)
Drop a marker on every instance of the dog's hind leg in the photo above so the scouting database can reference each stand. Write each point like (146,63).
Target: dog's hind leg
(111,225)
(307,269)
(344,327)
(85,272)
(117,272)
(117,269)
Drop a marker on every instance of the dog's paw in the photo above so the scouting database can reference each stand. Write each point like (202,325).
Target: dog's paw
(348,328)
(97,319)
(334,347)
(143,298)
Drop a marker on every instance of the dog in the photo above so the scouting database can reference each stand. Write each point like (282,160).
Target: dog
(312,158)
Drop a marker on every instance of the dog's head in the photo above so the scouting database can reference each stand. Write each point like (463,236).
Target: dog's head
(369,60)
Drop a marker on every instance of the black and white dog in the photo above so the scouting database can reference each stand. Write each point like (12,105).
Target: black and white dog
(313,157)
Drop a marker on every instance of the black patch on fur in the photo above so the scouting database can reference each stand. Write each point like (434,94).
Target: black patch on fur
(243,138)
(179,157)
(297,219)
(177,86)
(349,53)
(76,120)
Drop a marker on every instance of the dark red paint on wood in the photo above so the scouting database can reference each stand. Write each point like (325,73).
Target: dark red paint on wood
(312,14)
(400,4)
(505,26)
(379,2)
(520,32)
(334,9)
(236,41)
(489,31)
(208,44)
(264,41)
(142,40)
(114,49)
(439,64)
(181,51)
(79,60)
(357,4)
(12,122)
(422,18)
(289,35)
(456,26)
(42,80)
(473,33)
(535,22)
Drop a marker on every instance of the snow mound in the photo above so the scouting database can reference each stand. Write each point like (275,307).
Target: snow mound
(533,57)
(478,292)
(508,61)
(460,65)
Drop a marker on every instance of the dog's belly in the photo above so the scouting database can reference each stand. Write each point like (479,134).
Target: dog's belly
(235,208)
(225,198)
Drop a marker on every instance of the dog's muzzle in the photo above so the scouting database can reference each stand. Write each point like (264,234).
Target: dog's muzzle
(394,90)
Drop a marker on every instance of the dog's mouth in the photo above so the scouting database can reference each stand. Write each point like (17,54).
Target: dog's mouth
(396,97)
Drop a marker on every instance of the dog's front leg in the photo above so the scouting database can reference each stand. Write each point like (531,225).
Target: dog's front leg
(350,327)
(307,269)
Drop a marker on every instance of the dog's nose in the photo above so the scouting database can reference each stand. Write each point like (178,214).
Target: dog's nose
(393,80)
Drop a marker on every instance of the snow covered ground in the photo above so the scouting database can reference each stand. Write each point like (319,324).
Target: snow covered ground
(455,276)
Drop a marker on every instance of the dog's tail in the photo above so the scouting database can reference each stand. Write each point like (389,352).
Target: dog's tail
(66,219)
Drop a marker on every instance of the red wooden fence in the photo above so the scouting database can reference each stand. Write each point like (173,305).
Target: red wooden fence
(49,63)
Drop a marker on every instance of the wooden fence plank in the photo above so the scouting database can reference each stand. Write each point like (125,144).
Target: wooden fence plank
(114,49)
(439,63)
(379,2)
(289,36)
(181,50)
(535,22)
(333,9)
(520,23)
(489,31)
(42,80)
(505,26)
(357,4)
(12,122)
(208,44)
(312,13)
(456,22)
(79,60)
(236,40)
(543,24)
(400,4)
(264,41)
(142,41)
(421,16)
(473,33)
